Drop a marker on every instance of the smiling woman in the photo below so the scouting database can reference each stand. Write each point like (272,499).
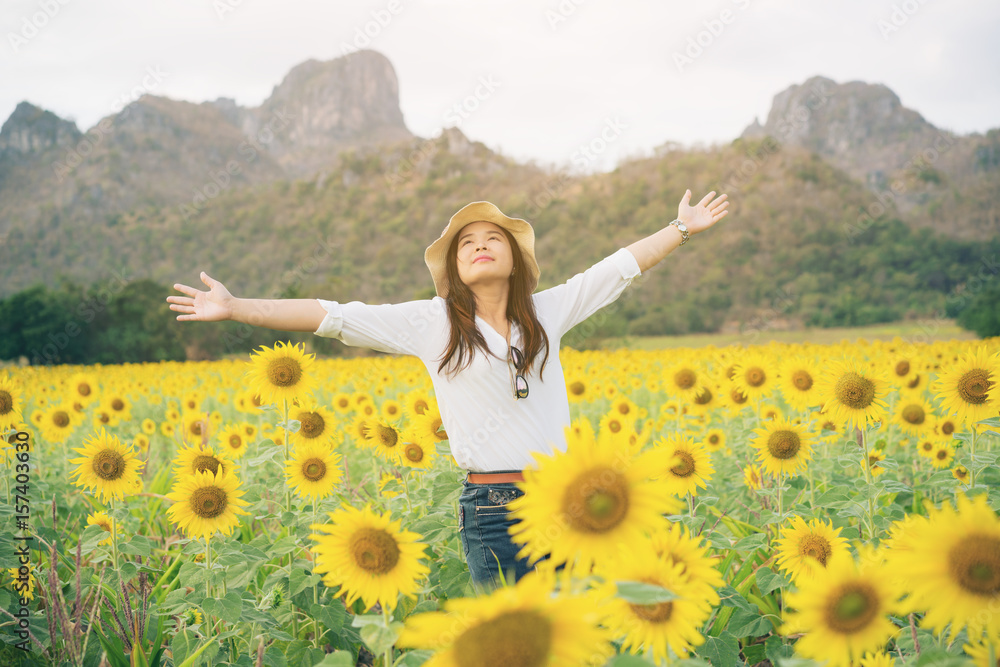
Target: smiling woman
(485,339)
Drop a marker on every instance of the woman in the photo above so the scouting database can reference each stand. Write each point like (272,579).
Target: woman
(490,345)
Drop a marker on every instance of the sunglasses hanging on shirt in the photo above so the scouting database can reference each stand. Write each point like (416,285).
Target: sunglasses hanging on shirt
(518,384)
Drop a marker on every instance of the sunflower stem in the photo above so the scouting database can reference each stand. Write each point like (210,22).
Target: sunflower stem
(388,620)
(208,578)
(406,489)
(690,504)
(972,463)
(866,462)
(315,586)
(114,540)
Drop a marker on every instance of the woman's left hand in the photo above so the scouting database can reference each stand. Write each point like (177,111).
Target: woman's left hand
(700,217)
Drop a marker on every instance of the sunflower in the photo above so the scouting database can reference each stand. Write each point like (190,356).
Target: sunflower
(546,628)
(875,458)
(249,430)
(119,405)
(232,441)
(853,393)
(984,652)
(682,380)
(430,424)
(691,467)
(195,427)
(804,548)
(167,429)
(581,503)
(952,570)
(945,427)
(754,376)
(416,451)
(282,373)
(384,481)
(206,502)
(877,659)
(369,556)
(141,442)
(313,470)
(195,458)
(914,416)
(391,410)
(944,454)
(715,439)
(613,423)
(829,430)
(416,403)
(842,610)
(782,447)
(23,585)
(105,522)
(83,388)
(968,390)
(660,627)
(58,423)
(735,399)
(317,425)
(148,426)
(579,388)
(706,397)
(675,544)
(797,378)
(107,466)
(770,412)
(385,438)
(753,477)
(11,402)
(961,473)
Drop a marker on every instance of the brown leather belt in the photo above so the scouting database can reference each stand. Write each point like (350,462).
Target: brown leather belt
(494,477)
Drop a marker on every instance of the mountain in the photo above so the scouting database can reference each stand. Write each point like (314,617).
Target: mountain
(933,176)
(322,191)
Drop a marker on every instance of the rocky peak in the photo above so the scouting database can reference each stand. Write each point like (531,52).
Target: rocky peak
(33,130)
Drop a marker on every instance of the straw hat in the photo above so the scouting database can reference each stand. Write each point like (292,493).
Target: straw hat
(480,211)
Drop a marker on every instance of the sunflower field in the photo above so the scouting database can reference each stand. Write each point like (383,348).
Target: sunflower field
(786,504)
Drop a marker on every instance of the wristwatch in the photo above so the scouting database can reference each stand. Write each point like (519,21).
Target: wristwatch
(683,230)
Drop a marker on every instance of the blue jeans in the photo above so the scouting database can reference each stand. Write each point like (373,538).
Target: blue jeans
(483,520)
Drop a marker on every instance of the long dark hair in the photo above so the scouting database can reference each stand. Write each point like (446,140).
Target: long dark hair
(466,336)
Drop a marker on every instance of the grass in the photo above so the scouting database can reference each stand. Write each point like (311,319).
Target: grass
(914,332)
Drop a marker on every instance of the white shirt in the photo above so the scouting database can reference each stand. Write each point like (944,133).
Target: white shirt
(488,429)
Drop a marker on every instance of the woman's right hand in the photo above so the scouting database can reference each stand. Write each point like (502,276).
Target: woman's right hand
(212,306)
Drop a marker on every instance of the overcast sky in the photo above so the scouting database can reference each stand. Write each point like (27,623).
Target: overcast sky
(537,78)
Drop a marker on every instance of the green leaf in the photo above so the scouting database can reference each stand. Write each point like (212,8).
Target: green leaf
(136,546)
(776,650)
(628,660)
(337,659)
(730,597)
(637,592)
(721,651)
(748,624)
(768,581)
(331,615)
(379,638)
(751,542)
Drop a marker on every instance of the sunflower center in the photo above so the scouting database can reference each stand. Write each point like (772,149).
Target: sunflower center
(975,564)
(208,502)
(974,386)
(703,397)
(109,465)
(413,452)
(851,608)
(521,637)
(624,409)
(105,526)
(755,376)
(117,404)
(854,391)
(596,501)
(420,406)
(60,419)
(6,402)
(902,368)
(714,438)
(205,462)
(942,454)
(912,384)
(686,466)
(738,397)
(653,613)
(685,378)
(374,550)
(816,546)
(948,427)
(83,389)
(577,388)
(913,414)
(927,445)
(196,428)
(313,469)
(614,426)
(802,380)
(311,424)
(284,372)
(235,441)
(784,444)
(386,435)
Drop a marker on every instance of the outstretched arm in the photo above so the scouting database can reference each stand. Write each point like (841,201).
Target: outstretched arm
(649,251)
(218,304)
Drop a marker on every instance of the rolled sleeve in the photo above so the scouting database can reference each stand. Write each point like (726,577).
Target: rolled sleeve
(627,265)
(400,328)
(333,322)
